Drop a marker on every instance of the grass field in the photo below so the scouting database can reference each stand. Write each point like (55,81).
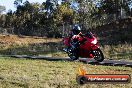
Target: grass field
(25,73)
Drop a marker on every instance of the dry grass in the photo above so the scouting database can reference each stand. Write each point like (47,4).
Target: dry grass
(120,51)
(24,73)
(6,41)
(13,44)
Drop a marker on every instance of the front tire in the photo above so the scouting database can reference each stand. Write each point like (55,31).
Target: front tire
(98,55)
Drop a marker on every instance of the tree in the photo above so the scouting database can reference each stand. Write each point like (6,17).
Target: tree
(17,2)
(30,18)
(87,9)
(2,16)
(114,7)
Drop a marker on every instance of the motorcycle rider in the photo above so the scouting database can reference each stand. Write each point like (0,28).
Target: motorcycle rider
(75,32)
(74,37)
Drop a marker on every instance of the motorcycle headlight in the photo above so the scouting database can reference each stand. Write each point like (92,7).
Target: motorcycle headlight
(94,41)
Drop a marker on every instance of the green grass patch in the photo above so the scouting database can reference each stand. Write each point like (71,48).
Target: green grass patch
(26,73)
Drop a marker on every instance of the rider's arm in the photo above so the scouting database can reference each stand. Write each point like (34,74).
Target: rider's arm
(83,38)
(81,35)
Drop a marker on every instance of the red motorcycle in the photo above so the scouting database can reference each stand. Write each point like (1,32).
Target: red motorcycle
(87,49)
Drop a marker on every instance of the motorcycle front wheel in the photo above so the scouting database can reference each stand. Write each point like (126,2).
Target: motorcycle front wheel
(98,55)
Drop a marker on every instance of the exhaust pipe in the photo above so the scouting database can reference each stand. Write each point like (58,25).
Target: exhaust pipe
(65,49)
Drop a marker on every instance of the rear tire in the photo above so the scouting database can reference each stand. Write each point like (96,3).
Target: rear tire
(98,55)
(73,55)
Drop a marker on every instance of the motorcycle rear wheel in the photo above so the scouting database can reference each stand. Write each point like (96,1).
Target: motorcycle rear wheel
(72,54)
(98,55)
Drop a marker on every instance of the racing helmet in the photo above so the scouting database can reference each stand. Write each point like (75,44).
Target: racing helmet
(76,29)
